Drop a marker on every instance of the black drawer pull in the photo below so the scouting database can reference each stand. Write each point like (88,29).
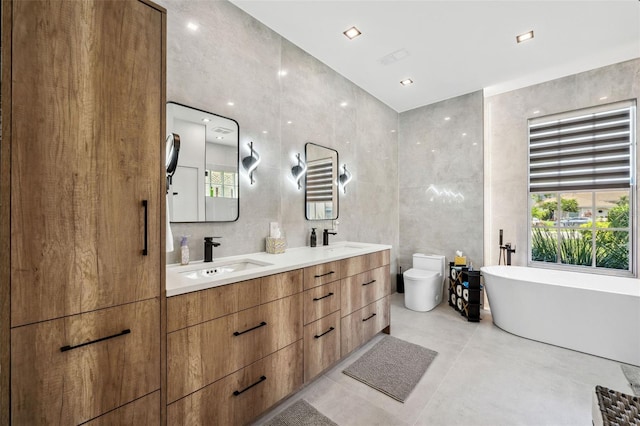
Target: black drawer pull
(370,282)
(369,317)
(68,348)
(324,275)
(315,299)
(262,379)
(317,336)
(145,250)
(237,333)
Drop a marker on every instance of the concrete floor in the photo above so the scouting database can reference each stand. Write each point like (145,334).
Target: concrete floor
(481,376)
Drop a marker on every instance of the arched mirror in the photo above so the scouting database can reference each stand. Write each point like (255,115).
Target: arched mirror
(321,190)
(204,186)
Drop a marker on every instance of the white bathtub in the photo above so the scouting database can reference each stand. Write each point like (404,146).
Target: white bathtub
(595,314)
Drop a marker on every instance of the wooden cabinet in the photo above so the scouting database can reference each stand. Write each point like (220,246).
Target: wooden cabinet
(321,345)
(85,270)
(321,274)
(365,289)
(321,301)
(243,395)
(141,412)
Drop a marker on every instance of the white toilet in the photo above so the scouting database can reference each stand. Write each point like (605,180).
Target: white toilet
(423,283)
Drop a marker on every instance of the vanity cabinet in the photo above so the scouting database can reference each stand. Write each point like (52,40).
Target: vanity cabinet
(83,210)
(365,290)
(226,338)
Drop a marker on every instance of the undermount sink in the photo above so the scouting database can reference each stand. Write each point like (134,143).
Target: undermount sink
(218,268)
(343,248)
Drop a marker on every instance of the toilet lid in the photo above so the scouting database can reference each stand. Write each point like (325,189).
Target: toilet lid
(417,274)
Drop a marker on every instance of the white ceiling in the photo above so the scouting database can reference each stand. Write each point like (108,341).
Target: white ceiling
(455,47)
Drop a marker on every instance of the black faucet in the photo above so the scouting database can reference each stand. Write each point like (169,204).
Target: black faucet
(509,251)
(325,236)
(209,244)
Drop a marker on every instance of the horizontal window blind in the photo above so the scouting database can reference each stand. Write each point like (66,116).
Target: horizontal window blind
(319,182)
(588,150)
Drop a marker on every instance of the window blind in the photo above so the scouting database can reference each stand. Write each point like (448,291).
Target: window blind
(320,180)
(586,150)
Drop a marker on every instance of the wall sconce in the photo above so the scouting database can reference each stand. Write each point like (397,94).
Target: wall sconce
(344,178)
(251,162)
(298,171)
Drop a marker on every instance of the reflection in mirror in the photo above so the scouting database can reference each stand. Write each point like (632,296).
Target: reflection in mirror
(204,187)
(321,191)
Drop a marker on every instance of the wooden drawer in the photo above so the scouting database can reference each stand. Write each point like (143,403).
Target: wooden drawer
(141,412)
(277,286)
(200,306)
(365,288)
(204,353)
(321,301)
(363,324)
(321,274)
(358,264)
(60,377)
(218,403)
(321,345)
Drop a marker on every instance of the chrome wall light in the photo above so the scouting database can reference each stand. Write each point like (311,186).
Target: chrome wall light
(251,162)
(344,178)
(298,171)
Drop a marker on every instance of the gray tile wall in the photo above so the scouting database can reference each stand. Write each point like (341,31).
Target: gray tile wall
(506,161)
(447,154)
(233,57)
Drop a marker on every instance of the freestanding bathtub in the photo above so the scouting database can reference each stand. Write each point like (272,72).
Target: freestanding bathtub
(595,314)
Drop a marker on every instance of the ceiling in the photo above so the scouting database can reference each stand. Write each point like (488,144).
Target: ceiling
(450,48)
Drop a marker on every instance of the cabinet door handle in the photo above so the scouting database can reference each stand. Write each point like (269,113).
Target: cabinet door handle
(237,333)
(317,336)
(146,227)
(262,379)
(68,348)
(324,275)
(315,299)
(369,317)
(370,282)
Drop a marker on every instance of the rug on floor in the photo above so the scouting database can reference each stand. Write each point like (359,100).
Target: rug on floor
(393,367)
(301,413)
(633,376)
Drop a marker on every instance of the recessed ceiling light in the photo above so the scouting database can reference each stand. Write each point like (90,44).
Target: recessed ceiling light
(603,98)
(475,143)
(433,150)
(447,118)
(230,103)
(406,82)
(282,73)
(536,111)
(265,132)
(192,26)
(418,143)
(343,104)
(393,130)
(206,120)
(289,122)
(352,33)
(219,137)
(524,37)
(464,134)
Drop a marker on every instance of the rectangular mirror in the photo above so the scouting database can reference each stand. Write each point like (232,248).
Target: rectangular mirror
(205,185)
(321,190)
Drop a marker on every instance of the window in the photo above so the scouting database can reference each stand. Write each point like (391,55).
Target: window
(221,184)
(581,177)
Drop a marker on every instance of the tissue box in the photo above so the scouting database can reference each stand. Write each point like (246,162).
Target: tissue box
(276,245)
(460,260)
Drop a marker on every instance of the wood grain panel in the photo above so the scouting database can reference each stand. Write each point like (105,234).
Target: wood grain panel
(321,274)
(87,86)
(362,325)
(362,289)
(323,351)
(217,405)
(321,301)
(200,306)
(204,353)
(280,285)
(54,387)
(358,264)
(141,412)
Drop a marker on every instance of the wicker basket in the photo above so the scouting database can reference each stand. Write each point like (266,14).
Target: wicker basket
(276,245)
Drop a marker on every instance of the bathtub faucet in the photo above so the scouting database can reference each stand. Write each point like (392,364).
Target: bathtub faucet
(509,250)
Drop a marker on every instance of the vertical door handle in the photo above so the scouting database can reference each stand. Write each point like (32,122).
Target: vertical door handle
(145,250)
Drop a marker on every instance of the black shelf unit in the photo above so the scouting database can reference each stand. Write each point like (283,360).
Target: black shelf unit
(465,299)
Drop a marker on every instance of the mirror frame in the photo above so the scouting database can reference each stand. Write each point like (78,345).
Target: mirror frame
(237,162)
(333,181)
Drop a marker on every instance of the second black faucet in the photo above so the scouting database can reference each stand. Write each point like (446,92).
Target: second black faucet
(325,236)
(209,244)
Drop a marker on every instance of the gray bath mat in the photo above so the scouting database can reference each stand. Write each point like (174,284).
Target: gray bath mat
(392,366)
(301,413)
(633,376)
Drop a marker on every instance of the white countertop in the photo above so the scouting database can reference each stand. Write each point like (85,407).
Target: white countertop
(293,258)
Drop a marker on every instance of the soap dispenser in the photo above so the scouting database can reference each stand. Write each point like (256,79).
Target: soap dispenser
(314,240)
(184,251)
